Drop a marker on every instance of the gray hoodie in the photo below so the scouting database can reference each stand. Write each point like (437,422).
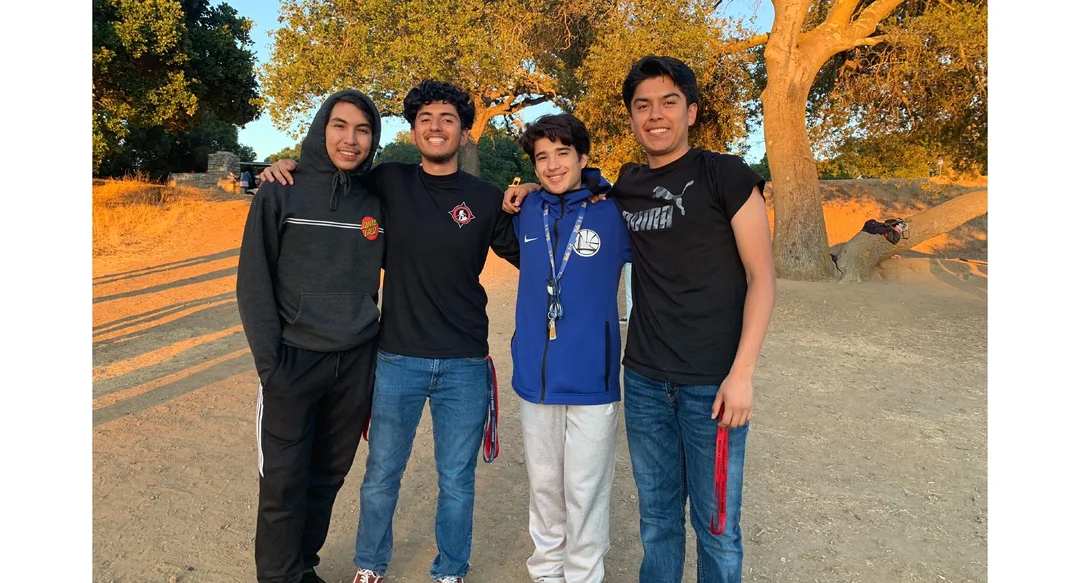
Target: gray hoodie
(311,254)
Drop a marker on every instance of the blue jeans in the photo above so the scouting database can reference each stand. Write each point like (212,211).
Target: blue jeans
(457,389)
(672,442)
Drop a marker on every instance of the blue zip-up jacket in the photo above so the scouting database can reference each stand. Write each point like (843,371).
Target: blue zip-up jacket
(581,366)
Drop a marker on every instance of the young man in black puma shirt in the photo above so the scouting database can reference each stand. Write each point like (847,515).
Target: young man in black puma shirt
(433,345)
(307,288)
(703,287)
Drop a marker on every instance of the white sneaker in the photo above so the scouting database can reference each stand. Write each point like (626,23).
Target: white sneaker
(367,576)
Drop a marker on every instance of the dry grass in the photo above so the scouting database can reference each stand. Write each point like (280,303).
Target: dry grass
(134,212)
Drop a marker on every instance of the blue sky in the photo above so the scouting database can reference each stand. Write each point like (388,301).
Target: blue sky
(266,139)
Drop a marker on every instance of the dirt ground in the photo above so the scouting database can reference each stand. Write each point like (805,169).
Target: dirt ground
(866,460)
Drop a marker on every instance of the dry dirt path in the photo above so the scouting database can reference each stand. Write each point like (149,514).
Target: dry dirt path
(866,461)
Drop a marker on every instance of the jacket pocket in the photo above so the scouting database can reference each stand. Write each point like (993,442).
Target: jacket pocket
(334,321)
(607,356)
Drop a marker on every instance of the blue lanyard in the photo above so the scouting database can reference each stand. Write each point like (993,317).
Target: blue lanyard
(555,310)
(569,244)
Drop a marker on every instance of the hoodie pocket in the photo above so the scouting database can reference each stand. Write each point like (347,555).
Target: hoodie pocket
(607,356)
(334,321)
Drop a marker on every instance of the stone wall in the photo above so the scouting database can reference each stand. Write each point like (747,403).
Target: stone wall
(222,173)
(221,164)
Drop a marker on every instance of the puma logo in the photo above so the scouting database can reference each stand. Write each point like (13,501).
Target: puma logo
(661,192)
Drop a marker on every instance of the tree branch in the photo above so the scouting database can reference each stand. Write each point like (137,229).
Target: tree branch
(869,41)
(540,84)
(789,16)
(742,45)
(857,258)
(870,17)
(512,105)
(841,12)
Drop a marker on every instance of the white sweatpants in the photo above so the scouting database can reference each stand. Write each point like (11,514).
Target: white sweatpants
(570,459)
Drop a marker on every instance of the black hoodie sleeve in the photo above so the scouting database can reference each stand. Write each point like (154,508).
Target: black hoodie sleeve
(255,279)
(504,241)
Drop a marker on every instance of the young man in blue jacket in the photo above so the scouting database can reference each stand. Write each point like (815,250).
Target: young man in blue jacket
(566,350)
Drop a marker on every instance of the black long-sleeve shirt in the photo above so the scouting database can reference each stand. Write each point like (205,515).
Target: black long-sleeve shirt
(439,229)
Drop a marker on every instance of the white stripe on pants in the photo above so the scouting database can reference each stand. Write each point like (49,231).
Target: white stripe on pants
(570,459)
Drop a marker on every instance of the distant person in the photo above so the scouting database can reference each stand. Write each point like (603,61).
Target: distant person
(307,289)
(245,180)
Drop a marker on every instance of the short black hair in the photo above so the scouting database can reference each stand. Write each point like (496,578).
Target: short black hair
(654,66)
(561,127)
(359,103)
(430,91)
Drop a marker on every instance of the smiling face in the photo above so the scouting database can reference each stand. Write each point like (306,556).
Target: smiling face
(437,132)
(348,136)
(558,166)
(661,119)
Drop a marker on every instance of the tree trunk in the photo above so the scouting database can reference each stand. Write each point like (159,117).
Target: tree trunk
(800,243)
(859,256)
(469,157)
(469,154)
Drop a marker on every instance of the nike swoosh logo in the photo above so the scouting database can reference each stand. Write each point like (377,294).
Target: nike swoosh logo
(527,239)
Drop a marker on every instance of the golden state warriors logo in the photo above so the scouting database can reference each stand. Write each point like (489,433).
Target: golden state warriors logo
(370,228)
(587,243)
(462,215)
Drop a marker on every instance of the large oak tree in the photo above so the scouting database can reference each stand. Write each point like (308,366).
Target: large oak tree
(172,79)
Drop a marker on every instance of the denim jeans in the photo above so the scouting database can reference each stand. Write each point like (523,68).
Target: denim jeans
(457,389)
(672,442)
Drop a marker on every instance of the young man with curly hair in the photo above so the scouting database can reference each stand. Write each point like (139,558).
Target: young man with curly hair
(434,338)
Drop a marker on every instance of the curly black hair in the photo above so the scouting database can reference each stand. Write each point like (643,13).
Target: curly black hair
(429,91)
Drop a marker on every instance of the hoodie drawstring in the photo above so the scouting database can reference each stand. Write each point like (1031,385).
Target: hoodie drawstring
(337,366)
(342,179)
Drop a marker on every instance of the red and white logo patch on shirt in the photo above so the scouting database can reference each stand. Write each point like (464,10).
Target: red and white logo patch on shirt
(462,214)
(370,228)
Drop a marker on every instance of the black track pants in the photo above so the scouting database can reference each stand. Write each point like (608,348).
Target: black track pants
(310,417)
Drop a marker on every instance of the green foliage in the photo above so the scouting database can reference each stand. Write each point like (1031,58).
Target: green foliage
(160,152)
(891,110)
(685,29)
(762,167)
(399,151)
(507,54)
(166,74)
(501,159)
(292,152)
(889,156)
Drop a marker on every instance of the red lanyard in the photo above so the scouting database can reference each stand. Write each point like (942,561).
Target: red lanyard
(716,523)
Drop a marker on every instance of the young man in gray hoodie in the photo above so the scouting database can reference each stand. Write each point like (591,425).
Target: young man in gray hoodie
(307,289)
